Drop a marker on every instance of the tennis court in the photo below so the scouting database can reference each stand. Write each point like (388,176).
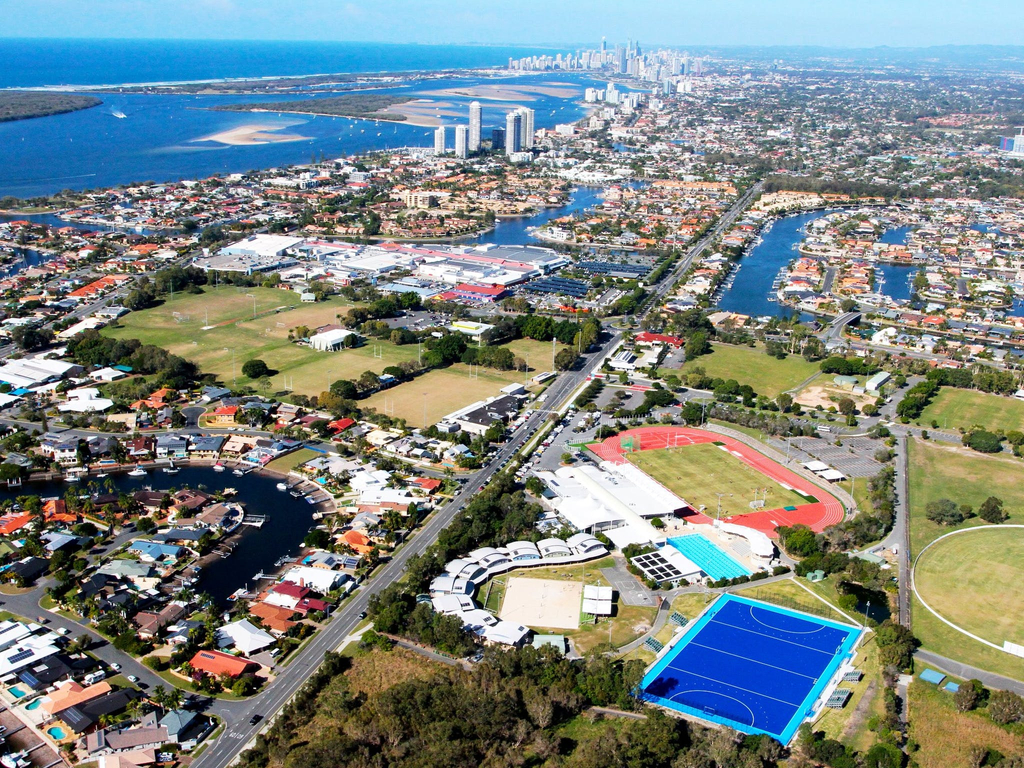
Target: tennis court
(751,666)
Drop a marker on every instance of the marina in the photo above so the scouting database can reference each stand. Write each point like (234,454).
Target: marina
(265,534)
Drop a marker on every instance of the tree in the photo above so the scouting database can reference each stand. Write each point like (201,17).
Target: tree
(697,345)
(31,338)
(345,389)
(968,696)
(1005,707)
(255,368)
(784,401)
(565,359)
(846,406)
(943,512)
(991,510)
(317,538)
(983,441)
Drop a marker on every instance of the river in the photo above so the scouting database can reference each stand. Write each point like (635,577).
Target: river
(288,520)
(132,138)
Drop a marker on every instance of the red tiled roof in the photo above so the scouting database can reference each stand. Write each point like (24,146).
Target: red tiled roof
(217,663)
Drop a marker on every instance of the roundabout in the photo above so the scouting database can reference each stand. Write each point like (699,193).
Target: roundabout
(972,580)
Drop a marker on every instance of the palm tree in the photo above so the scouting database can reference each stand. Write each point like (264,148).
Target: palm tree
(159,697)
(175,698)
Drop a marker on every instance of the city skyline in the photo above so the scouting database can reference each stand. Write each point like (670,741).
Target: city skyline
(872,23)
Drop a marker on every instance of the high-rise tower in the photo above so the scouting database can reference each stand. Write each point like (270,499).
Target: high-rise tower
(513,132)
(475,118)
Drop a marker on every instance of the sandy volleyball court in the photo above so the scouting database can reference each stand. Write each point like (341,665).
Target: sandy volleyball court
(543,603)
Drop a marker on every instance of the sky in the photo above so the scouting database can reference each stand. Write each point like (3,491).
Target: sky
(841,23)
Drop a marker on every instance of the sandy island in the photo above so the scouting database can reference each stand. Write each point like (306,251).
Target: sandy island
(509,92)
(252,135)
(425,113)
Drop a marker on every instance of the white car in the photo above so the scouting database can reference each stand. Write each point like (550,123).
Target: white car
(132,679)
(116,667)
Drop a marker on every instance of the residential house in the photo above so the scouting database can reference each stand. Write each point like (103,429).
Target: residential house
(150,624)
(223,416)
(107,741)
(171,447)
(153,552)
(83,718)
(216,663)
(244,637)
(207,447)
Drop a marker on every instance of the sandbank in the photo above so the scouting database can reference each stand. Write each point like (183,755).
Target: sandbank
(252,135)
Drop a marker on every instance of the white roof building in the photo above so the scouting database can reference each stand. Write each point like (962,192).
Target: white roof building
(318,579)
(243,636)
(450,585)
(452,603)
(615,500)
(31,372)
(367,479)
(523,550)
(85,400)
(330,341)
(554,548)
(597,601)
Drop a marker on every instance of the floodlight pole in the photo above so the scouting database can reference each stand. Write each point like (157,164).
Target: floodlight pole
(720,495)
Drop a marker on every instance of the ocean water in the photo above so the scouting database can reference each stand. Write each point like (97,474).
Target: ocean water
(160,136)
(38,63)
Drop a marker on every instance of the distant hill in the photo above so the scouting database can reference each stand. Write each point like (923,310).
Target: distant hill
(22,105)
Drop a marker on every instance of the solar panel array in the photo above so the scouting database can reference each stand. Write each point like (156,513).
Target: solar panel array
(657,567)
(561,286)
(611,268)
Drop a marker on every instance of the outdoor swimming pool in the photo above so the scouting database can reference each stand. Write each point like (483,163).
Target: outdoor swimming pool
(707,556)
(56,732)
(16,692)
(34,704)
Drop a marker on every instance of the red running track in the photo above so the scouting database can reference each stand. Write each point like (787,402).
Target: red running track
(818,515)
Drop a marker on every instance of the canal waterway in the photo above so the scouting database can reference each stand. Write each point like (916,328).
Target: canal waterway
(287,519)
(517,231)
(757,270)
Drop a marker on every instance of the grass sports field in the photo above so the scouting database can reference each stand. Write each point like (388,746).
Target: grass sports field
(941,471)
(987,569)
(953,408)
(937,471)
(177,325)
(768,376)
(697,473)
(447,390)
